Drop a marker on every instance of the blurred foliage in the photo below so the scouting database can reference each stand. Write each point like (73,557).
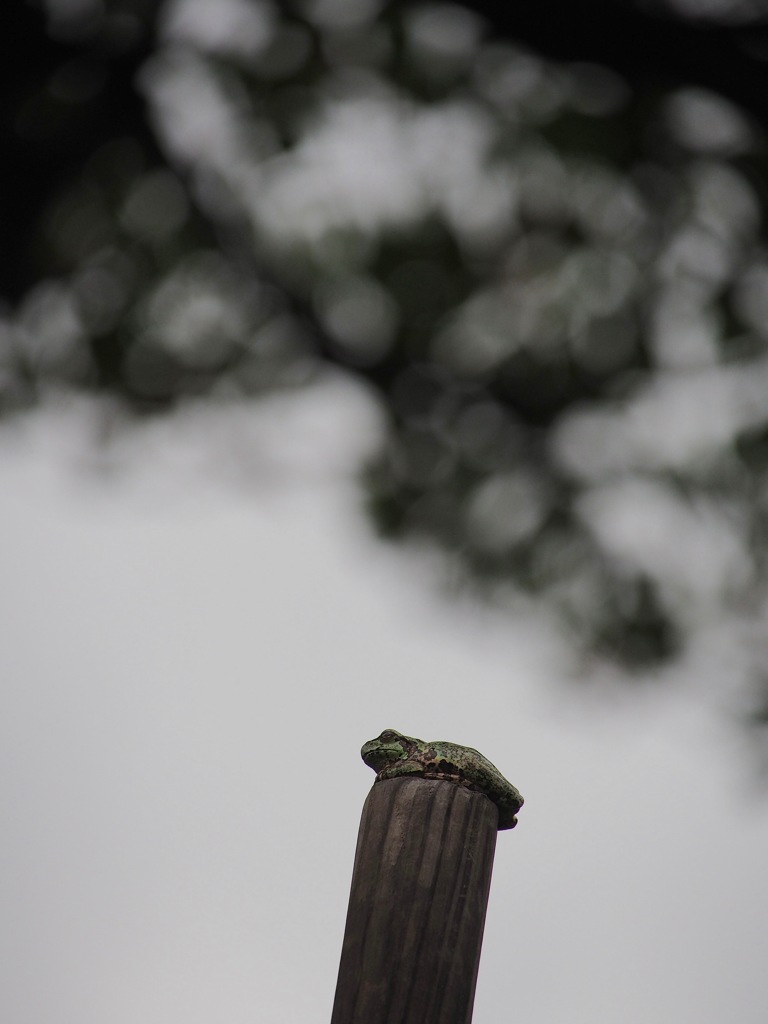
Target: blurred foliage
(552,273)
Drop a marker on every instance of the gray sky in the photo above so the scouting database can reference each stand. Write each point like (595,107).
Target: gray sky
(199,634)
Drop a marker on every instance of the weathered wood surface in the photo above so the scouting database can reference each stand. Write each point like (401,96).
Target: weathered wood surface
(417,905)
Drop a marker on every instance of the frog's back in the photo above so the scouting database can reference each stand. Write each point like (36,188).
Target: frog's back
(477,771)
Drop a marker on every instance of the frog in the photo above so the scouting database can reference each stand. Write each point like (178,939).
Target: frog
(393,755)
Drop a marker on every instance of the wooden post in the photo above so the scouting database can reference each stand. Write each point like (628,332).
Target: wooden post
(417,904)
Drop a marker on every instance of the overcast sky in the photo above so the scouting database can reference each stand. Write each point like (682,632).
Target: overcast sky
(198,634)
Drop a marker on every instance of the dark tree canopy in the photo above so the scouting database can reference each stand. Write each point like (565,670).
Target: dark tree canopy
(536,231)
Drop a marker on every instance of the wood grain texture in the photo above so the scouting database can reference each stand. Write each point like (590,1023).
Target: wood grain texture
(417,905)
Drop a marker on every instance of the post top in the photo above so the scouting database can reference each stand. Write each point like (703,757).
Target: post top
(392,755)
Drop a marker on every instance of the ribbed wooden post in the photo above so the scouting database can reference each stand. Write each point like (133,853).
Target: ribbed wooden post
(417,906)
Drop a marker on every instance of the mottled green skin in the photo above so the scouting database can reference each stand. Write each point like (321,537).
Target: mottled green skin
(392,755)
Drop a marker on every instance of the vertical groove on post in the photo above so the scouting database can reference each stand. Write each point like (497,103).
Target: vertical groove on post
(417,905)
(466,931)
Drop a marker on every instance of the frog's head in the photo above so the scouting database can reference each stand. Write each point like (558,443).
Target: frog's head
(391,746)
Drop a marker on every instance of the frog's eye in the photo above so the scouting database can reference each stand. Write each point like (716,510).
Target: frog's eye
(389,735)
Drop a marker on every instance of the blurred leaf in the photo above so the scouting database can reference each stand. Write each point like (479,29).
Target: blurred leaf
(549,270)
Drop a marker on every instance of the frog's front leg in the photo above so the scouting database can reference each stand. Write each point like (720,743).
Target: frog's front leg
(399,768)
